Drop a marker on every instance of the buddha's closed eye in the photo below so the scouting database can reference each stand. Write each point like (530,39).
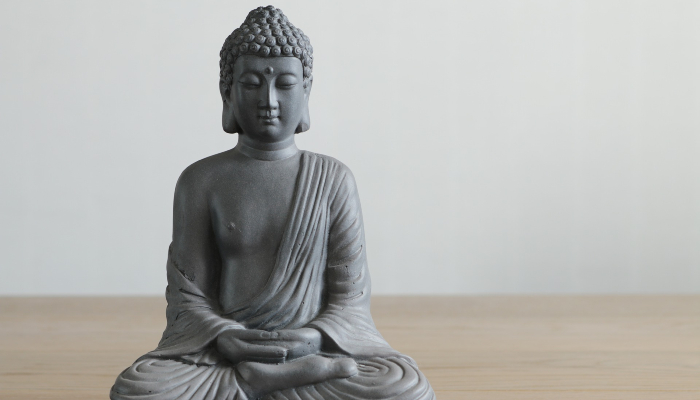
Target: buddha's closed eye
(286,81)
(250,81)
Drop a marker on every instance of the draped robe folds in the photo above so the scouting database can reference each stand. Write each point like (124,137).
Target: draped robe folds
(320,280)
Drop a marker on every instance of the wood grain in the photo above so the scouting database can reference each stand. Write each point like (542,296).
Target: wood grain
(486,347)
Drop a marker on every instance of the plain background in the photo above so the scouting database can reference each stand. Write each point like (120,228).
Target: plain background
(498,146)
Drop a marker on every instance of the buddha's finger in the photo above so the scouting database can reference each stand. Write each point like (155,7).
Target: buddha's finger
(255,334)
(288,345)
(264,353)
(303,335)
(290,335)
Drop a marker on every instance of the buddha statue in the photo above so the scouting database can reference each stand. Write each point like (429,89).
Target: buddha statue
(268,289)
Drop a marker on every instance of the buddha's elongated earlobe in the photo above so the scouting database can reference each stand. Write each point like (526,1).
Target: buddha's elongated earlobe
(305,122)
(228,118)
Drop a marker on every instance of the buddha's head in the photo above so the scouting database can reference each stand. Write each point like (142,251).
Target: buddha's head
(265,77)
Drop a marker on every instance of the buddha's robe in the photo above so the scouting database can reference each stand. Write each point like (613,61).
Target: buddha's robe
(320,280)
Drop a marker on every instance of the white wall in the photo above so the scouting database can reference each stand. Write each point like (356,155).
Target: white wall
(499,146)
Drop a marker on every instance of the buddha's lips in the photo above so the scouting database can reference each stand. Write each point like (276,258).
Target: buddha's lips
(266,119)
(268,116)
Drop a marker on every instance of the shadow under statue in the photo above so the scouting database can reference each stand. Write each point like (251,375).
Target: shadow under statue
(268,288)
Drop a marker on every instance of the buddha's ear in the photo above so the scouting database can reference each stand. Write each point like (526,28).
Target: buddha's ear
(228,119)
(305,122)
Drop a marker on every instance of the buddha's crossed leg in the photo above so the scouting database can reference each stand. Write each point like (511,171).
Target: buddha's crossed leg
(306,378)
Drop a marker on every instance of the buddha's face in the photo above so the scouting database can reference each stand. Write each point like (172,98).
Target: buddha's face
(268,97)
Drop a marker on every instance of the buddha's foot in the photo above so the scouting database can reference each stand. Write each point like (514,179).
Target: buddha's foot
(261,379)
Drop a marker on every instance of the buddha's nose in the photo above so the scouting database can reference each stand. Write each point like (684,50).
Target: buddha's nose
(269,99)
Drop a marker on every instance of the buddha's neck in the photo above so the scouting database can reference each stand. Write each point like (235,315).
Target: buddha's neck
(266,151)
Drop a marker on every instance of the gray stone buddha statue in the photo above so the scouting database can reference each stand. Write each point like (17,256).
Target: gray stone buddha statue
(268,289)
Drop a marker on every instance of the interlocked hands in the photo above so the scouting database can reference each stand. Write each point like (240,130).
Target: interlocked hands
(239,345)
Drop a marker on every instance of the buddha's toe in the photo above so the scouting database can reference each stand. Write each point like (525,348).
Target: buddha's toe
(343,368)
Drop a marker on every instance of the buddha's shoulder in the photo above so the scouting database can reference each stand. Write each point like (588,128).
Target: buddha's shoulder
(338,166)
(339,171)
(200,174)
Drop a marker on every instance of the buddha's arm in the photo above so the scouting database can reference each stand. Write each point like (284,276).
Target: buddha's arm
(193,250)
(346,322)
(193,269)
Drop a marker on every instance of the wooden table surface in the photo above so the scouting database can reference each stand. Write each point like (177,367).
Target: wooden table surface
(486,347)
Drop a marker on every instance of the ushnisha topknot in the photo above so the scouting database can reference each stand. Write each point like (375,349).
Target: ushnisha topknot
(266,32)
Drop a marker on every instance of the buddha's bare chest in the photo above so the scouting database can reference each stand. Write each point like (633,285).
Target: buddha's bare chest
(249,208)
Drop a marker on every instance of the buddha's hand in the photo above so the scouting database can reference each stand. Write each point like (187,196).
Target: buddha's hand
(239,345)
(301,342)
